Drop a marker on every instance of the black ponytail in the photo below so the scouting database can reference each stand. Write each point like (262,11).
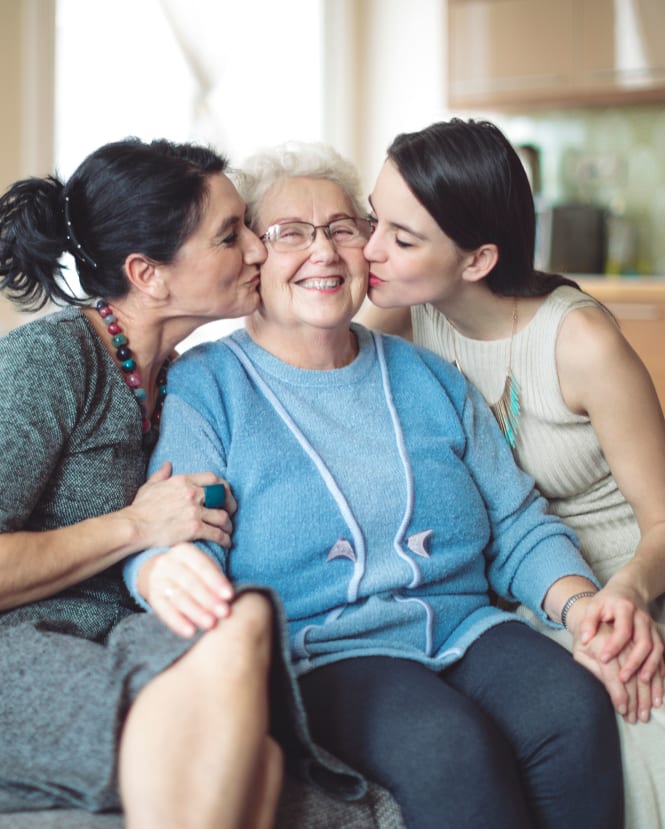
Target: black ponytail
(32,240)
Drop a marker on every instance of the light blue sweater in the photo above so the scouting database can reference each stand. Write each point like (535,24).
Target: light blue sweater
(380,500)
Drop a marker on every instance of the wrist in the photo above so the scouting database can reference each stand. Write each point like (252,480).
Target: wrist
(573,608)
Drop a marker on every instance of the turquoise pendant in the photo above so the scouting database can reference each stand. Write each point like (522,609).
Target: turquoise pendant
(507,409)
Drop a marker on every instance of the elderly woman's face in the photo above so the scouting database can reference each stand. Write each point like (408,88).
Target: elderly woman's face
(324,284)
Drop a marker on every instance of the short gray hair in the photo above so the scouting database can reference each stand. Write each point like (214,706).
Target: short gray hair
(291,160)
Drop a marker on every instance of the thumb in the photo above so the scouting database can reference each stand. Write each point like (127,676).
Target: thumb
(162,473)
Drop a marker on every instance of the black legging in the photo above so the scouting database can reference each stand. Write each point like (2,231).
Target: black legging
(516,734)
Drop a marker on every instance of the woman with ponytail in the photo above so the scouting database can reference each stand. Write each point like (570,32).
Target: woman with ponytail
(98,708)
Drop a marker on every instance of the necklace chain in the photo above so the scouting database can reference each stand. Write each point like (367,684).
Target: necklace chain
(507,408)
(125,357)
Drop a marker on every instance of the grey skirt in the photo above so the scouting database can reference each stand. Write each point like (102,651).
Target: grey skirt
(64,698)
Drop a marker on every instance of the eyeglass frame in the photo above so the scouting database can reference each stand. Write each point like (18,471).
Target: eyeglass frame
(266,237)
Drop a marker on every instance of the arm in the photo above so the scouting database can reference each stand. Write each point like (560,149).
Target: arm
(35,565)
(389,320)
(185,584)
(603,378)
(57,462)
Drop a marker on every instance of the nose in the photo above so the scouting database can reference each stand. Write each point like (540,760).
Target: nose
(322,249)
(255,251)
(371,249)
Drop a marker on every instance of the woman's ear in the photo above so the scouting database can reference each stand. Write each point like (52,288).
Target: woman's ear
(481,261)
(145,275)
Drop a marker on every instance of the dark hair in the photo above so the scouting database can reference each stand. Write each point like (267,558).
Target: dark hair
(126,197)
(470,179)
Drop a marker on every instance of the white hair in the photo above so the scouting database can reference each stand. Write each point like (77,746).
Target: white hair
(295,159)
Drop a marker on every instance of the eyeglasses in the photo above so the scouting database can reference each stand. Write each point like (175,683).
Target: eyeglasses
(347,232)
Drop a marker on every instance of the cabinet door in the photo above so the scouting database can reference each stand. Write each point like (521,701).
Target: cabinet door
(509,51)
(621,46)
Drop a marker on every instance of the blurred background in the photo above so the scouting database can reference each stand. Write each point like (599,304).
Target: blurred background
(577,85)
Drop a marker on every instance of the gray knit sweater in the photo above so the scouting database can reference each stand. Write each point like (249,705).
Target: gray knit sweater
(70,448)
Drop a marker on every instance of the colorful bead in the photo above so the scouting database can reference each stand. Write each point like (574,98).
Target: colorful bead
(132,377)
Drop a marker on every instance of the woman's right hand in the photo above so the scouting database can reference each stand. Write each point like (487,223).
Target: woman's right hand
(186,589)
(169,509)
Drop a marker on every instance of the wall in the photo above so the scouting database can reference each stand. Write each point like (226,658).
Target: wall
(26,100)
(608,156)
(385,74)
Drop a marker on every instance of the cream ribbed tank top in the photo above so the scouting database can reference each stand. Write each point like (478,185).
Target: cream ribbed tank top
(554,445)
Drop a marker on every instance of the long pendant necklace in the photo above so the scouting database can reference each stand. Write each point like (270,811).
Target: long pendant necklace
(507,408)
(125,357)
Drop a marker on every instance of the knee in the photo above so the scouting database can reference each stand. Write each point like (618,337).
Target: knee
(240,644)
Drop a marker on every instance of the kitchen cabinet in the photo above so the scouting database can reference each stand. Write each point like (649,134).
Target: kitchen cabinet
(639,308)
(504,53)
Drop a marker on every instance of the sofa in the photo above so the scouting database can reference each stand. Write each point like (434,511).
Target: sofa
(302,807)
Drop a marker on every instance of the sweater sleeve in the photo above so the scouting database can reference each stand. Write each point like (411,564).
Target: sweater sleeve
(190,438)
(529,548)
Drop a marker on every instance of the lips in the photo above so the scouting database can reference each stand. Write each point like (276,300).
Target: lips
(375,281)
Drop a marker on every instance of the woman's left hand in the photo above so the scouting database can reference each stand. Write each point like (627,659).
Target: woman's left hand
(633,632)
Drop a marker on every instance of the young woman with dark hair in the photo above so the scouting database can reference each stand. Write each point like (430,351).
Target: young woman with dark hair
(452,268)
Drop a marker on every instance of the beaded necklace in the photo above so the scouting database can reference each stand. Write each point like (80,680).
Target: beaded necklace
(124,355)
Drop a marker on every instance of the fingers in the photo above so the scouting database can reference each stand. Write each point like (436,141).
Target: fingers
(188,590)
(621,636)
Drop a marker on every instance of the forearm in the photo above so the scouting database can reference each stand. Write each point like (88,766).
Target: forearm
(35,565)
(644,574)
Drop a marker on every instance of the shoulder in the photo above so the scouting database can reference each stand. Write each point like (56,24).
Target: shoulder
(592,353)
(589,333)
(49,348)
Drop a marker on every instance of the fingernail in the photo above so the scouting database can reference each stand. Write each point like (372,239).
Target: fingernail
(644,715)
(221,611)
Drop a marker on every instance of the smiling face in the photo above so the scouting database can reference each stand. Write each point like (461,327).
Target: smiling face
(412,261)
(215,272)
(321,287)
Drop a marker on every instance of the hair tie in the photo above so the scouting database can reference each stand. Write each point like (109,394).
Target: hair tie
(74,246)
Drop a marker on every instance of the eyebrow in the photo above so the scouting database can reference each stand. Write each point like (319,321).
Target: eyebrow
(398,226)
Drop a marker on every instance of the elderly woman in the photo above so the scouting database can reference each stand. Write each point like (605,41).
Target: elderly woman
(378,497)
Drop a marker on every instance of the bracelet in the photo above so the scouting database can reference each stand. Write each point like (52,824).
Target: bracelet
(571,601)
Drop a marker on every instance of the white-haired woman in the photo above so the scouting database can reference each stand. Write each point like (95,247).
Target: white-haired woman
(379,499)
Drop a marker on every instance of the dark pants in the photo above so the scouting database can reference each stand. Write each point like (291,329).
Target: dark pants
(516,734)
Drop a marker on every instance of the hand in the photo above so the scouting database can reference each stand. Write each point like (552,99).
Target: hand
(186,589)
(634,632)
(632,699)
(169,509)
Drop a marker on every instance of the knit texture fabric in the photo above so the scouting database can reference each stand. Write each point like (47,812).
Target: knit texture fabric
(379,499)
